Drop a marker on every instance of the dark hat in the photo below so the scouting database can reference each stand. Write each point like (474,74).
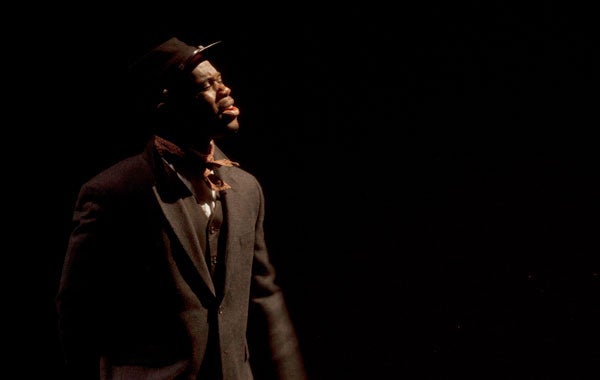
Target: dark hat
(166,62)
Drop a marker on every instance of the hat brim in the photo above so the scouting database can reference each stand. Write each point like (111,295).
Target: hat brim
(202,53)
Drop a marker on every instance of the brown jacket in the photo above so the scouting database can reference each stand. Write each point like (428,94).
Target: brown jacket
(136,299)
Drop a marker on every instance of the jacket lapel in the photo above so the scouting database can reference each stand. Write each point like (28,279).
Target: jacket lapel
(184,215)
(231,203)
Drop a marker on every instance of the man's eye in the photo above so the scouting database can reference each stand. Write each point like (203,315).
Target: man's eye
(210,83)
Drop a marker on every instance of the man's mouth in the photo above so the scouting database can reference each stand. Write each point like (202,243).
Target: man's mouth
(231,111)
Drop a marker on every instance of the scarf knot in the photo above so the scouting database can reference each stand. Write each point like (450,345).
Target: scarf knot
(195,161)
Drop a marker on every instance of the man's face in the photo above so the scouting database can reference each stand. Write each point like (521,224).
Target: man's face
(206,104)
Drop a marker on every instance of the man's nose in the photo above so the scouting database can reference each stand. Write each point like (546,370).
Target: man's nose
(223,90)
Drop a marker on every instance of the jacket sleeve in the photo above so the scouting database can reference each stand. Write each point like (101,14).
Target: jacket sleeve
(78,300)
(271,319)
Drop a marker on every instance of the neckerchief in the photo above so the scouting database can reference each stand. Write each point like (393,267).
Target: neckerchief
(195,161)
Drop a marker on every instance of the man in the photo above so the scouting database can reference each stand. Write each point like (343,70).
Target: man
(167,274)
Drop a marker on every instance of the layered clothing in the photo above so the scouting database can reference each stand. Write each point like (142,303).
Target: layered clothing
(137,297)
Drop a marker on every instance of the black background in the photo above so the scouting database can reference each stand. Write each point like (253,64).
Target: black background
(430,173)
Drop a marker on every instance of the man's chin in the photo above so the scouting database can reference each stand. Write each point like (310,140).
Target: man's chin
(233,126)
(228,129)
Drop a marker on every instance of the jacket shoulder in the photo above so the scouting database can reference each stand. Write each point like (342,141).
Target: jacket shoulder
(128,174)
